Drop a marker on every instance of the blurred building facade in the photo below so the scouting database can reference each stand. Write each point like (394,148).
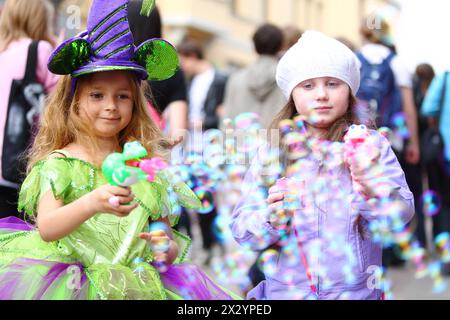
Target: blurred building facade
(225,27)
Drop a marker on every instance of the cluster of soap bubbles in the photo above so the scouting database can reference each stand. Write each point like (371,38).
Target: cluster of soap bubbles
(216,175)
(222,162)
(400,125)
(233,268)
(389,229)
(222,169)
(431,203)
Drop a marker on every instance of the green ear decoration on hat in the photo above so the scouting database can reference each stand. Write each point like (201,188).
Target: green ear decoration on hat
(159,58)
(147,7)
(69,56)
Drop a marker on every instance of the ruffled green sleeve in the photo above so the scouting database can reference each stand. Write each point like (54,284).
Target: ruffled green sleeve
(46,175)
(161,198)
(66,178)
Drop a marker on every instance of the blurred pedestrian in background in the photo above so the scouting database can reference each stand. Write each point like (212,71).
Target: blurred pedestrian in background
(206,86)
(291,35)
(26,43)
(387,88)
(169,96)
(254,89)
(422,79)
(206,91)
(436,107)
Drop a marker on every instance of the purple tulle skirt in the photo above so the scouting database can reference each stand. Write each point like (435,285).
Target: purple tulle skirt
(36,279)
(13,224)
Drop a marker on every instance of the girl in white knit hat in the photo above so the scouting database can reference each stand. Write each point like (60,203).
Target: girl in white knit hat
(322,218)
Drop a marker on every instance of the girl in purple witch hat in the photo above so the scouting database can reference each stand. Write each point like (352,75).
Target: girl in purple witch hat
(91,239)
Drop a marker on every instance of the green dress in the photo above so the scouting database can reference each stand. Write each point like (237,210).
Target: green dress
(104,258)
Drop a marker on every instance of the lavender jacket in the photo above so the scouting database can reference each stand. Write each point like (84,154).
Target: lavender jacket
(341,260)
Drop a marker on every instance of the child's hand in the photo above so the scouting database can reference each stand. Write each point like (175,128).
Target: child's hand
(162,246)
(110,199)
(280,217)
(176,141)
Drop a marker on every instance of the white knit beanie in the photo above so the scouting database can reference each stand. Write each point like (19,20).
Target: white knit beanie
(316,55)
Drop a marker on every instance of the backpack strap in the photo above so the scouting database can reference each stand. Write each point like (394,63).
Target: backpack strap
(30,72)
(362,59)
(387,61)
(390,57)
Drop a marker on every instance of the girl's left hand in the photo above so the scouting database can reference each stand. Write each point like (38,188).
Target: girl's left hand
(175,141)
(161,245)
(412,154)
(362,158)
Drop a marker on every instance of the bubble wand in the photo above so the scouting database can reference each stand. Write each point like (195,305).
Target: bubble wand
(291,202)
(128,168)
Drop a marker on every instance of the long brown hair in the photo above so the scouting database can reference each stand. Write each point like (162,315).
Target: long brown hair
(26,19)
(61,125)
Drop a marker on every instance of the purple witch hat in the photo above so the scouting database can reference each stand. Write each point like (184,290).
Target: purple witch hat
(108,45)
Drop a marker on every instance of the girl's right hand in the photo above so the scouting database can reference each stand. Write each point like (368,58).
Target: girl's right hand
(275,198)
(99,200)
(285,197)
(279,217)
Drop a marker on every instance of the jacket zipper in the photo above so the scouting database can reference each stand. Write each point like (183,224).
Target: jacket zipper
(318,258)
(359,251)
(318,230)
